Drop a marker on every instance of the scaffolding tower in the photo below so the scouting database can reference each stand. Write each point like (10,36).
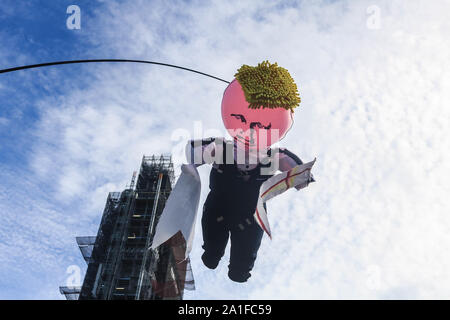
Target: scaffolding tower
(121,264)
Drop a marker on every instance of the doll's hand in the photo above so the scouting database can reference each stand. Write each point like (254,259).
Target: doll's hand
(301,186)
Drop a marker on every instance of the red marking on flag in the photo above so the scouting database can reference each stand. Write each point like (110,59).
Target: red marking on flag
(262,224)
(284,180)
(287,178)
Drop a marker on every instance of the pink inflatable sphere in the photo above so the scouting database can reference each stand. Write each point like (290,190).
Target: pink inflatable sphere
(253,128)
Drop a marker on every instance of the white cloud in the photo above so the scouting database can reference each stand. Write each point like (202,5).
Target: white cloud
(4,121)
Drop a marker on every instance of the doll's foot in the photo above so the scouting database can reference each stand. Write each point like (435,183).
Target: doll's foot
(238,277)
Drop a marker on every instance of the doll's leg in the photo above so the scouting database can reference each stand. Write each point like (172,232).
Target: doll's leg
(245,242)
(215,234)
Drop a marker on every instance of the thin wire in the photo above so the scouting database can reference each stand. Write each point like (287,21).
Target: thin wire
(47,64)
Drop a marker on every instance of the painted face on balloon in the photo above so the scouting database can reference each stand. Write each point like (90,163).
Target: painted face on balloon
(253,128)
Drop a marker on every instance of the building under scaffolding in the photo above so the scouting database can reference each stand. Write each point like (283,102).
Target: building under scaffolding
(121,264)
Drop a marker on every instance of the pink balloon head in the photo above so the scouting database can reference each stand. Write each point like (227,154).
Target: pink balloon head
(253,128)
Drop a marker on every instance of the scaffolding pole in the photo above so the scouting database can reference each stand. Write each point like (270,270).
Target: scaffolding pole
(149,238)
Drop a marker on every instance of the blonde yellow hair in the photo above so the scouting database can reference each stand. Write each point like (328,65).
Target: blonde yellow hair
(268,86)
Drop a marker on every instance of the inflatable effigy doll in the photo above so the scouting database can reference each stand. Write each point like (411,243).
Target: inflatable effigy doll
(257,111)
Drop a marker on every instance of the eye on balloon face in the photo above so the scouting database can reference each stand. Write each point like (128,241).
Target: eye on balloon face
(252,128)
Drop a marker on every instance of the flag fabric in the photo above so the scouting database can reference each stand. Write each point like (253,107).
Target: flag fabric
(298,177)
(181,208)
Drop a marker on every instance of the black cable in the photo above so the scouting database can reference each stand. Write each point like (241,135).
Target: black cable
(31,66)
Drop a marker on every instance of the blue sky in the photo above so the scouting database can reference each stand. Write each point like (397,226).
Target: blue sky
(374,87)
(32,32)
